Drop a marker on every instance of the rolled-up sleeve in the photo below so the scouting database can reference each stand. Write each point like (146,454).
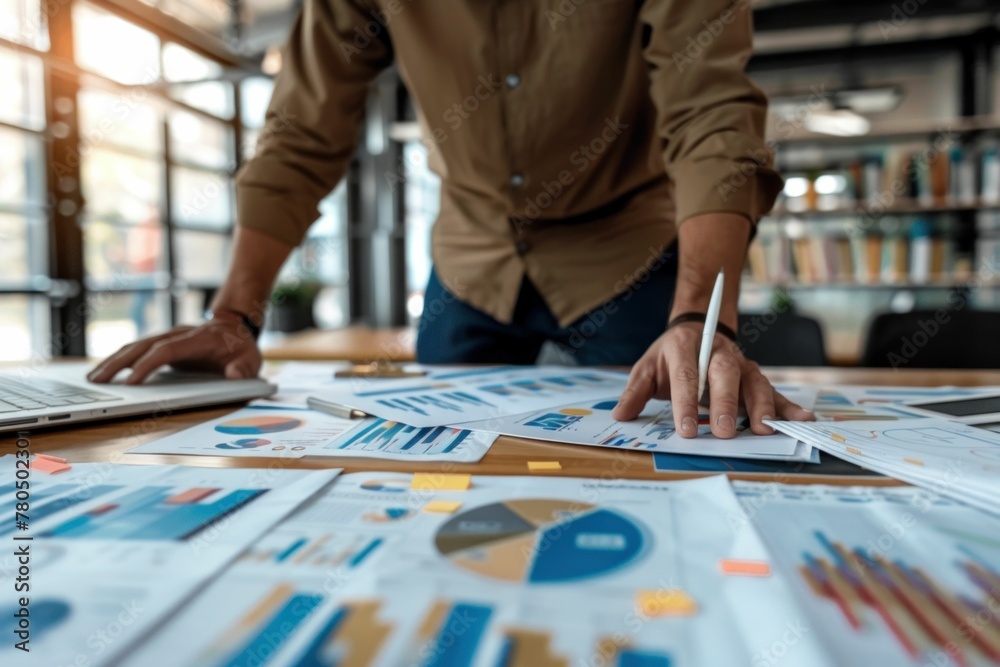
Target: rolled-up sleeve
(335,51)
(710,117)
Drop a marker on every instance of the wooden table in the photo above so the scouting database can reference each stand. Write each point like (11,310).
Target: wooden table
(108,441)
(357,344)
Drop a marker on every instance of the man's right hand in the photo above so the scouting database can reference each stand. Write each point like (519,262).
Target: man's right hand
(219,345)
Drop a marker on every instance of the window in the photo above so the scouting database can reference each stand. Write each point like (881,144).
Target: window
(22,87)
(153,170)
(157,158)
(24,321)
(23,21)
(422,191)
(114,48)
(322,261)
(196,81)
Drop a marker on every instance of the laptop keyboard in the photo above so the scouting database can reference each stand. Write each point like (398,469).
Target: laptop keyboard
(39,393)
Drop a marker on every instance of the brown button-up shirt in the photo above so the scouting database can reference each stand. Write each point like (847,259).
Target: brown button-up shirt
(571,136)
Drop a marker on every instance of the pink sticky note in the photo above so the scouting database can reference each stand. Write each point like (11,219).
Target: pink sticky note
(49,466)
(57,459)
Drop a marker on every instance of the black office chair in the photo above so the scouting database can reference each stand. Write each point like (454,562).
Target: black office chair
(934,339)
(784,339)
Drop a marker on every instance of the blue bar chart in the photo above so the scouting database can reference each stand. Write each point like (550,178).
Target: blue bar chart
(154,513)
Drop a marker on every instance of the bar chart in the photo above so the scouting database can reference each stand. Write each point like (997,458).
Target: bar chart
(922,613)
(290,548)
(384,435)
(155,513)
(887,576)
(264,628)
(354,634)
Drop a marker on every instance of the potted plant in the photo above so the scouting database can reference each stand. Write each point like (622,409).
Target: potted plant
(292,306)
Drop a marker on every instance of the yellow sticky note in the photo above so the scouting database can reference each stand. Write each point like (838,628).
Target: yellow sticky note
(544,465)
(854,450)
(436,481)
(442,506)
(663,602)
(916,462)
(838,437)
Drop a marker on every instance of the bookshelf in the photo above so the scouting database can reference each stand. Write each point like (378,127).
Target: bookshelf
(898,207)
(905,215)
(897,129)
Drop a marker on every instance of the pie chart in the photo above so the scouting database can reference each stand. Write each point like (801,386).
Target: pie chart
(259,425)
(540,541)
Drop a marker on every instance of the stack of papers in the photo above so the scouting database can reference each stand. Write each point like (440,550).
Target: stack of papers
(555,404)
(456,413)
(953,459)
(510,571)
(384,568)
(884,576)
(108,552)
(276,430)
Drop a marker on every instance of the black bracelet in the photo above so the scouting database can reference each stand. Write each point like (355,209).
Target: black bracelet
(245,319)
(684,318)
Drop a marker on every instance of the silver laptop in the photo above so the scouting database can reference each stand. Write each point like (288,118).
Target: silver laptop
(36,397)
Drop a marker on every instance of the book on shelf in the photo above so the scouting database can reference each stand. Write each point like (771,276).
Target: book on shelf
(918,257)
(904,175)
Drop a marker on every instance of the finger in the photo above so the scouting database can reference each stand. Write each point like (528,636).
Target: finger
(126,356)
(684,396)
(242,367)
(123,358)
(791,411)
(640,388)
(165,352)
(758,395)
(724,393)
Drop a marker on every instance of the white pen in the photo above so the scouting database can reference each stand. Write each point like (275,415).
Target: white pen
(708,333)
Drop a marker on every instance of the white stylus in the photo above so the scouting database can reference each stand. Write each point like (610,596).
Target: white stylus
(708,333)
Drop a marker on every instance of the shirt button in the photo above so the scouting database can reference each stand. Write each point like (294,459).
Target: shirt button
(517,180)
(512,80)
(522,248)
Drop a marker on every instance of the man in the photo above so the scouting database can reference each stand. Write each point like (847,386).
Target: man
(577,140)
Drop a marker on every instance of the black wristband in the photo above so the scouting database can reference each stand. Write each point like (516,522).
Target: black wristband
(684,318)
(245,319)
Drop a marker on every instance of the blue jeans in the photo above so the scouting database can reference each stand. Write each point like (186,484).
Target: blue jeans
(616,333)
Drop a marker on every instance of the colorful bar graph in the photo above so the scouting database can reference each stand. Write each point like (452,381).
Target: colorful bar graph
(270,637)
(76,496)
(918,611)
(353,635)
(148,514)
